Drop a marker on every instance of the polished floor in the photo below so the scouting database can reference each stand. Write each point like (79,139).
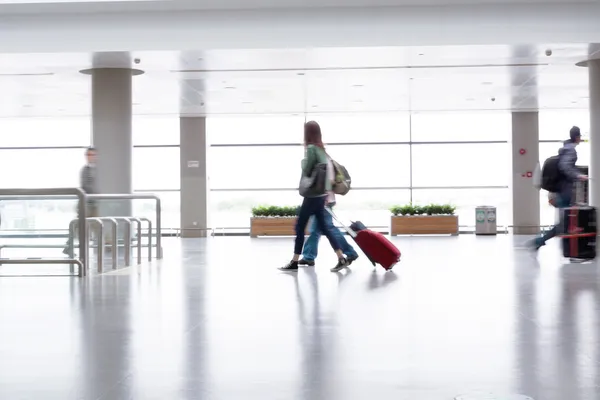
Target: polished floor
(472,316)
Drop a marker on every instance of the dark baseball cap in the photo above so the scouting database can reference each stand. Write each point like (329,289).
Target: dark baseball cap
(575,132)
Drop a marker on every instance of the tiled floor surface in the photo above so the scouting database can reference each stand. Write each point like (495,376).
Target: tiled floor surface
(216,320)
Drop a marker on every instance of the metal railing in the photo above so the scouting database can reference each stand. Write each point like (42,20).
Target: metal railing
(139,196)
(11,194)
(83,224)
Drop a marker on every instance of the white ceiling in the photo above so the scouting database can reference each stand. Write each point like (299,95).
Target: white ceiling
(176,26)
(294,81)
(42,6)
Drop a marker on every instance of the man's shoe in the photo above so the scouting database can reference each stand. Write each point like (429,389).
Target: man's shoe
(306,263)
(342,263)
(351,259)
(292,266)
(535,244)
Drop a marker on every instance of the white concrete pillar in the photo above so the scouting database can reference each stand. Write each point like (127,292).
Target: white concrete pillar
(525,156)
(194,177)
(594,171)
(112,137)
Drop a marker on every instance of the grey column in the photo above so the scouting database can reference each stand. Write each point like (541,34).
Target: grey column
(194,178)
(525,197)
(594,172)
(112,137)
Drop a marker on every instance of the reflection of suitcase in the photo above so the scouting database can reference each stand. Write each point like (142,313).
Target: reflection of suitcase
(579,232)
(578,226)
(376,247)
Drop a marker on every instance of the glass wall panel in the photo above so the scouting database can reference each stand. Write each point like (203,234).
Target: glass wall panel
(45,132)
(375,165)
(461,165)
(155,130)
(25,216)
(555,124)
(460,127)
(255,167)
(232,209)
(278,167)
(353,128)
(156,168)
(255,129)
(171,209)
(466,200)
(40,168)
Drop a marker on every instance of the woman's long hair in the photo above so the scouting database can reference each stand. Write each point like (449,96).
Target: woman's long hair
(312,134)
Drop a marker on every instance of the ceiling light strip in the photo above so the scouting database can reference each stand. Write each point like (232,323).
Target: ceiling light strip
(370,68)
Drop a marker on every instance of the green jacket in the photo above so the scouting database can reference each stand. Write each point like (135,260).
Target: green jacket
(314,155)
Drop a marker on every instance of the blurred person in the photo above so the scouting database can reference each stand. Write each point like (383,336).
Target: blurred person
(88,182)
(311,247)
(569,174)
(314,154)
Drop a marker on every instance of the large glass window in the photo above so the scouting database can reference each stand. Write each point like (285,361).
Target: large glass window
(466,200)
(461,127)
(170,206)
(156,168)
(556,124)
(40,168)
(375,165)
(45,132)
(155,130)
(461,165)
(379,162)
(353,128)
(232,209)
(42,216)
(255,167)
(255,129)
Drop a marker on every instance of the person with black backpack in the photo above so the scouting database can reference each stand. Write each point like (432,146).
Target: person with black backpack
(559,175)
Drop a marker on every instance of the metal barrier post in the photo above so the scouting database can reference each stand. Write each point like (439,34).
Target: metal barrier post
(83,244)
(159,255)
(149,237)
(71,239)
(127,240)
(139,238)
(100,246)
(115,243)
(139,197)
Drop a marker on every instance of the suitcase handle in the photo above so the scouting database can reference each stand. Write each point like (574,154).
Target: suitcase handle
(346,228)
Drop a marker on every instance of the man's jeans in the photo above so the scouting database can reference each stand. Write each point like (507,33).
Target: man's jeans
(311,247)
(562,201)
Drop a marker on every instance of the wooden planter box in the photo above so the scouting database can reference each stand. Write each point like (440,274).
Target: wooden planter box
(424,225)
(272,226)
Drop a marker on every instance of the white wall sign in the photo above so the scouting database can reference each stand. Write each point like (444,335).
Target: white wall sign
(193,164)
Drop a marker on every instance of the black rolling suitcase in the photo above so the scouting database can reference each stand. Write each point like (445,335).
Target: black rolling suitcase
(579,230)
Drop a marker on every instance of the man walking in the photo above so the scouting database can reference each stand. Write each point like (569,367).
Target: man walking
(88,182)
(568,176)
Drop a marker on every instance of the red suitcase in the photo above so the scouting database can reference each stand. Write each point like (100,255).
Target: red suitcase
(377,248)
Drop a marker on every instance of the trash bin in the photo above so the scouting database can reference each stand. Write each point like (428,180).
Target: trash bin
(485,220)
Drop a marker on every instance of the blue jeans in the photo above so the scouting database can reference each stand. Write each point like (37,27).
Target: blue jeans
(314,207)
(311,247)
(563,200)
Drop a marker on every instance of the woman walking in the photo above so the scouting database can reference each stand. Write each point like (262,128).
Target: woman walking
(314,203)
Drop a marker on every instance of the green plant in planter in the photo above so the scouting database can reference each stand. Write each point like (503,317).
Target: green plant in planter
(275,211)
(448,209)
(431,209)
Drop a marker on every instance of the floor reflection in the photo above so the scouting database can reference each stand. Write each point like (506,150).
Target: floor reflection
(471,316)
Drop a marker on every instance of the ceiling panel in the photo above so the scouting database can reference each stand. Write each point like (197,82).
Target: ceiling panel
(295,81)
